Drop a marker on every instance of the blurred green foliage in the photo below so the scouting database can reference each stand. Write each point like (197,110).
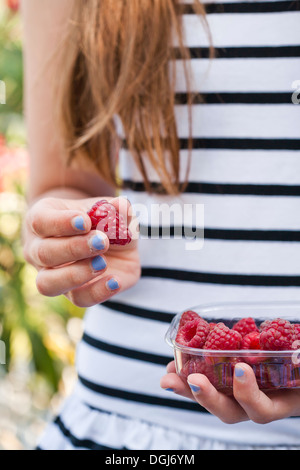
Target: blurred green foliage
(11,73)
(33,328)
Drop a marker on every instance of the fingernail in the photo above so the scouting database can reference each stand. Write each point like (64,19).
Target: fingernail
(169,390)
(239,372)
(78,223)
(97,242)
(98,263)
(194,388)
(112,284)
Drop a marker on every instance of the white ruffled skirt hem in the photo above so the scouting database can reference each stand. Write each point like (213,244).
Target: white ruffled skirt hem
(80,427)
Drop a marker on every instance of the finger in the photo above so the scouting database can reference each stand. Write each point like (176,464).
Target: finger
(58,223)
(222,406)
(173,383)
(259,407)
(171,367)
(54,282)
(52,252)
(95,292)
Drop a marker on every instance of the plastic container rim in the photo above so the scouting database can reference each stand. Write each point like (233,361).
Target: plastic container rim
(170,340)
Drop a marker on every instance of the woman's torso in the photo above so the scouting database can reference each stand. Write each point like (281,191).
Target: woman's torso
(245,176)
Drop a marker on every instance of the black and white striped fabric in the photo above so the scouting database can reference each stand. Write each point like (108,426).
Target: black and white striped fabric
(245,172)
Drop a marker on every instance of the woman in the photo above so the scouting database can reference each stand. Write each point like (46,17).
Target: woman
(186,92)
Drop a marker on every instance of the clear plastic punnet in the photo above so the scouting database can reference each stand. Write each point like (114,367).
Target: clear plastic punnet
(273,369)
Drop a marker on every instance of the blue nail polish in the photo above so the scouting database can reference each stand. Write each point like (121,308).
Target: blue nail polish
(169,389)
(113,284)
(98,242)
(239,372)
(78,223)
(194,388)
(98,263)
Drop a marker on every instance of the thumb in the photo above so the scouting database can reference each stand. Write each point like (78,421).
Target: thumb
(257,404)
(245,386)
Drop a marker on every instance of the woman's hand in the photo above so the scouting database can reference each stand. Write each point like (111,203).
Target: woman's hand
(248,402)
(73,260)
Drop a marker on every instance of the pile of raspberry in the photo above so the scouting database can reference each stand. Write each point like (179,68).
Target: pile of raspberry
(271,335)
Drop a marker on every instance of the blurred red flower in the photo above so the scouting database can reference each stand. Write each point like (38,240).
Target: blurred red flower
(13,5)
(14,165)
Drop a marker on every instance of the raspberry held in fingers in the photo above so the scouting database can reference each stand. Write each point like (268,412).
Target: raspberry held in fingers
(106,218)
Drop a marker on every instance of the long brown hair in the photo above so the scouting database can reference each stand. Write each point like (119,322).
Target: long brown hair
(118,60)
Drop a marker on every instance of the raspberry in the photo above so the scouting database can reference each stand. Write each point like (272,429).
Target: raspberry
(251,341)
(189,315)
(105,217)
(297,330)
(245,326)
(196,365)
(264,325)
(223,338)
(193,334)
(278,335)
(212,326)
(268,376)
(294,378)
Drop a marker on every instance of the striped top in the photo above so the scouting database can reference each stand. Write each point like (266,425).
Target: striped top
(245,175)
